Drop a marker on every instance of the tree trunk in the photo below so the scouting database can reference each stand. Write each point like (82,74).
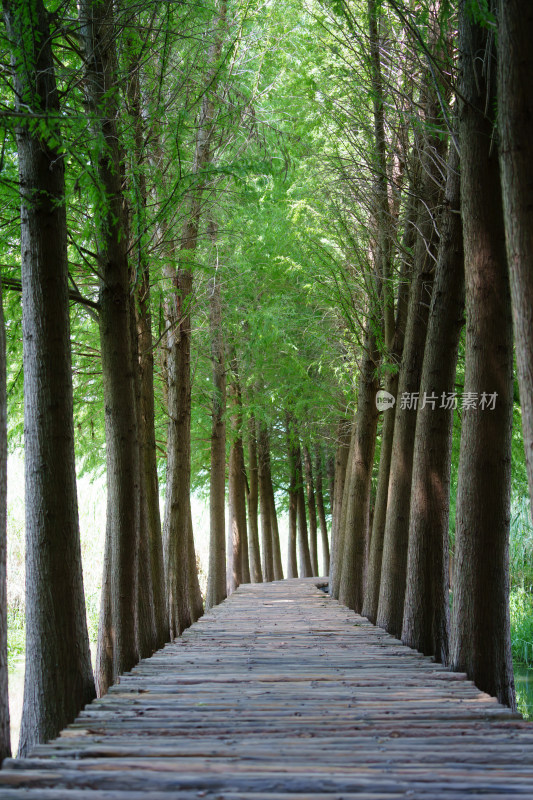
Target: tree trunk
(237,524)
(97,25)
(342,452)
(276,547)
(382,208)
(237,533)
(253,505)
(194,593)
(321,512)
(330,471)
(515,88)
(306,568)
(180,557)
(311,507)
(340,530)
(176,524)
(426,612)
(5,738)
(150,514)
(216,579)
(396,535)
(352,568)
(149,456)
(58,679)
(146,637)
(481,643)
(264,502)
(292,562)
(373,577)
(246,578)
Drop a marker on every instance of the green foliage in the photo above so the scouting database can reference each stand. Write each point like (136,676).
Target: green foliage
(521,546)
(482,12)
(521,610)
(16,636)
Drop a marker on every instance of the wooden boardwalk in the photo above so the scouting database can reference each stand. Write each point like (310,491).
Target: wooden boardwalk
(278,693)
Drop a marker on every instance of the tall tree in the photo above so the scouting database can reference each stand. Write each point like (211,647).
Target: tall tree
(292,558)
(145,623)
(426,611)
(344,441)
(515,84)
(181,575)
(237,531)
(432,150)
(216,579)
(150,517)
(481,644)
(58,678)
(5,738)
(117,644)
(321,511)
(253,504)
(357,488)
(305,566)
(311,508)
(375,556)
(264,503)
(276,548)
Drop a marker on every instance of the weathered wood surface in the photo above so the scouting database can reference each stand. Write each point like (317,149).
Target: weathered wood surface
(278,693)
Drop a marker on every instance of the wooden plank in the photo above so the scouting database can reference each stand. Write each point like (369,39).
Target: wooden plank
(282,692)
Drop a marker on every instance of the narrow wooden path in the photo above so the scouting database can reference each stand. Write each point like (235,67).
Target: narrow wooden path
(280,692)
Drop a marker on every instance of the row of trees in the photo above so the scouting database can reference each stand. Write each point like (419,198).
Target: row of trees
(247,220)
(118,211)
(462,236)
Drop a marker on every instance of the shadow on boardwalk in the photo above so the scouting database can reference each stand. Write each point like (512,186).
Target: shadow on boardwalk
(281,692)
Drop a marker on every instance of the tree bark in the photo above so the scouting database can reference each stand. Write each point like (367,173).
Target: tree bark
(373,577)
(515,86)
(276,547)
(426,612)
(176,524)
(178,540)
(97,25)
(342,452)
(5,737)
(149,475)
(253,505)
(145,632)
(382,208)
(58,679)
(237,532)
(311,507)
(143,344)
(396,534)
(264,502)
(321,512)
(194,593)
(339,541)
(305,568)
(352,568)
(481,643)
(292,560)
(216,579)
